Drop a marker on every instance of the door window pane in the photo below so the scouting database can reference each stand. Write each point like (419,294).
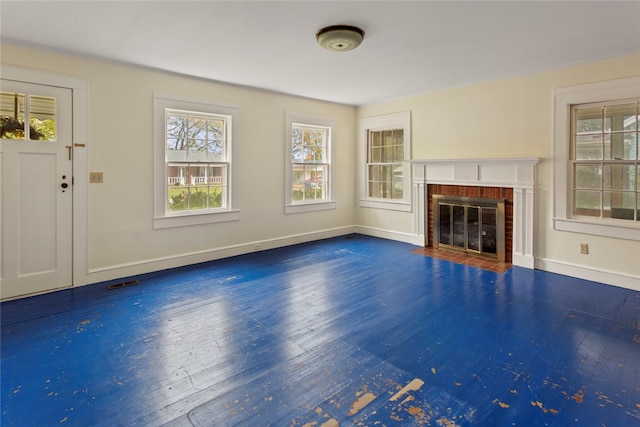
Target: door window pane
(42,118)
(12,110)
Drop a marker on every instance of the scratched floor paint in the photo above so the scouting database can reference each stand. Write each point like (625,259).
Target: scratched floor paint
(353,331)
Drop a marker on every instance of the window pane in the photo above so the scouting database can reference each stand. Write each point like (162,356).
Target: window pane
(309,182)
(297,150)
(194,137)
(623,146)
(13,113)
(197,128)
(376,155)
(587,203)
(399,153)
(309,144)
(215,130)
(42,118)
(196,186)
(374,171)
(618,177)
(588,147)
(177,127)
(587,176)
(398,143)
(215,197)
(387,138)
(588,120)
(297,183)
(622,117)
(374,188)
(631,146)
(397,182)
(619,205)
(376,139)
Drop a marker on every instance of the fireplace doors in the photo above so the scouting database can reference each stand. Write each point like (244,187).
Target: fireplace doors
(472,225)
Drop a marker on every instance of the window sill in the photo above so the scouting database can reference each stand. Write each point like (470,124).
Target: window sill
(605,228)
(309,207)
(195,219)
(392,206)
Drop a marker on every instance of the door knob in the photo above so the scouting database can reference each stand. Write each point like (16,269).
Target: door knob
(64,185)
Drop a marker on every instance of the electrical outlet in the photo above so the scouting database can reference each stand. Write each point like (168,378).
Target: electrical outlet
(95,177)
(584,248)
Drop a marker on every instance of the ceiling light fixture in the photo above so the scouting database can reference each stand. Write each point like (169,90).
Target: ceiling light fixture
(340,38)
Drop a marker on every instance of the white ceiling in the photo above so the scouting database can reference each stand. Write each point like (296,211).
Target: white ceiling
(409,47)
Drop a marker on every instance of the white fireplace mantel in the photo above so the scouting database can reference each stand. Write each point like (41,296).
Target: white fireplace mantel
(516,173)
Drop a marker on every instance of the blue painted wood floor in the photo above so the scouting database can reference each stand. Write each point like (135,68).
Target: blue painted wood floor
(353,331)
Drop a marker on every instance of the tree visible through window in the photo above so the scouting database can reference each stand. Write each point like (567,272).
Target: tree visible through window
(310,162)
(604,156)
(196,160)
(38,111)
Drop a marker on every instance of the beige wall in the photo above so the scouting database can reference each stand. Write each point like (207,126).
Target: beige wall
(512,118)
(505,118)
(120,211)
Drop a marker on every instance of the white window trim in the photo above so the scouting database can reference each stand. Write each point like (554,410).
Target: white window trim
(161,218)
(401,120)
(315,205)
(564,98)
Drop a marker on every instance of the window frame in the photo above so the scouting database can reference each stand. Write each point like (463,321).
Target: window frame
(401,120)
(303,119)
(163,218)
(564,99)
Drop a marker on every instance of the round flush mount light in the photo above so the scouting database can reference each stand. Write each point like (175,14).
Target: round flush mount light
(340,38)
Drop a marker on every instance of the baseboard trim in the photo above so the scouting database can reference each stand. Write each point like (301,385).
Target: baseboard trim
(526,261)
(413,239)
(108,273)
(119,271)
(622,280)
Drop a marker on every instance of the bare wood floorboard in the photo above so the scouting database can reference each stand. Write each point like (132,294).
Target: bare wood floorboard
(352,331)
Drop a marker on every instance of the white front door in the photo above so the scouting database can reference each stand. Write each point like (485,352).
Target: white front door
(37,188)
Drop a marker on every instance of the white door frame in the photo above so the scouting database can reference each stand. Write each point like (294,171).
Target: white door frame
(80,112)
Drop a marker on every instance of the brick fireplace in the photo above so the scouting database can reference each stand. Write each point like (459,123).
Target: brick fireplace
(510,179)
(491,193)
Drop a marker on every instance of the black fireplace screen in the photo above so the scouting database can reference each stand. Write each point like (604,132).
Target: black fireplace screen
(471,225)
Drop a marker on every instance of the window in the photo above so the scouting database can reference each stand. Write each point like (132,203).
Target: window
(384,151)
(309,163)
(385,154)
(604,157)
(195,158)
(597,189)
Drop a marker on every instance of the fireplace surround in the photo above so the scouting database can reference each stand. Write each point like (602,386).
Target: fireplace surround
(512,179)
(469,224)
